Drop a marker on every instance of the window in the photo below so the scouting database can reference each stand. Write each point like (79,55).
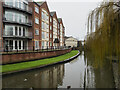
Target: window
(45,15)
(16,31)
(47,35)
(19,44)
(50,43)
(50,19)
(36,44)
(50,35)
(50,27)
(15,44)
(36,20)
(58,26)
(42,15)
(19,31)
(9,2)
(42,44)
(8,30)
(23,31)
(37,10)
(36,32)
(23,44)
(11,44)
(25,6)
(43,35)
(42,25)
(26,18)
(9,15)
(46,43)
(20,19)
(16,17)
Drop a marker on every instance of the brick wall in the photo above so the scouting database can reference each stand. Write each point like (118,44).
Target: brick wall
(19,57)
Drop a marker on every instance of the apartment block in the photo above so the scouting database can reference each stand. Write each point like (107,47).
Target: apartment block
(61,32)
(16,25)
(54,22)
(36,26)
(45,24)
(29,26)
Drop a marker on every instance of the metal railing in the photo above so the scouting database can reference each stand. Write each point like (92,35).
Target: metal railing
(17,19)
(22,49)
(22,6)
(7,33)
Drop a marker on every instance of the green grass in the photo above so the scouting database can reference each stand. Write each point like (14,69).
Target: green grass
(25,65)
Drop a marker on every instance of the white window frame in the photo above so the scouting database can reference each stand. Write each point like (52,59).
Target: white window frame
(36,31)
(36,20)
(36,9)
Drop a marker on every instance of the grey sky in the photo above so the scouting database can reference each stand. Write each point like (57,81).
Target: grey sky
(74,15)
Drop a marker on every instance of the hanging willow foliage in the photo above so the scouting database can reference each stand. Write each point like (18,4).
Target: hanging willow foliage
(103,38)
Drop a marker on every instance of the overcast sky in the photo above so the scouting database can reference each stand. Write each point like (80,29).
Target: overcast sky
(74,14)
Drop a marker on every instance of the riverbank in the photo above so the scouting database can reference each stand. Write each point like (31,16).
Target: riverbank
(12,68)
(11,58)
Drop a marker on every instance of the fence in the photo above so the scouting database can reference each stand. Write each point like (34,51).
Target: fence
(16,49)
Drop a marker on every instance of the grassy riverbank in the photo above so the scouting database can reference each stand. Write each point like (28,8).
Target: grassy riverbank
(25,65)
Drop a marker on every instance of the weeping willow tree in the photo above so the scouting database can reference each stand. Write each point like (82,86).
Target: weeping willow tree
(103,38)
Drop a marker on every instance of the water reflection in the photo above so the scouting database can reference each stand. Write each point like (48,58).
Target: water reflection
(82,72)
(46,78)
(100,73)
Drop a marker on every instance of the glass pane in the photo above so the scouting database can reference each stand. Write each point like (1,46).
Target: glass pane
(20,31)
(16,31)
(23,31)
(15,44)
(19,44)
(11,44)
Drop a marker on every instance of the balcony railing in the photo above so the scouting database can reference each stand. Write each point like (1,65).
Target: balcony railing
(26,35)
(17,20)
(22,6)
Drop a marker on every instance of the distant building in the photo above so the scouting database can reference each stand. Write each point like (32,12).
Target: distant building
(79,44)
(71,41)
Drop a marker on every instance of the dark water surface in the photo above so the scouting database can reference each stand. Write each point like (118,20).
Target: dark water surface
(78,73)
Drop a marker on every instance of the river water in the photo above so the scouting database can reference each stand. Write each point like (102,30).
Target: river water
(79,73)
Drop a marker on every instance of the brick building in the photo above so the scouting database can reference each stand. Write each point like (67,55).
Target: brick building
(29,26)
(61,31)
(16,26)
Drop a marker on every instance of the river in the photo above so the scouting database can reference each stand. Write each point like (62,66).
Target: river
(79,73)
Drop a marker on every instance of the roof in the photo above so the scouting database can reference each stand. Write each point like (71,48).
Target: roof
(56,40)
(70,37)
(40,3)
(66,37)
(52,13)
(59,19)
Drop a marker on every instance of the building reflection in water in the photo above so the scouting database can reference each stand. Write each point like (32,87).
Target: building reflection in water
(50,77)
(83,72)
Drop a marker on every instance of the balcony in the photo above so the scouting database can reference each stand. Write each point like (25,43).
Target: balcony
(12,19)
(9,34)
(22,7)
